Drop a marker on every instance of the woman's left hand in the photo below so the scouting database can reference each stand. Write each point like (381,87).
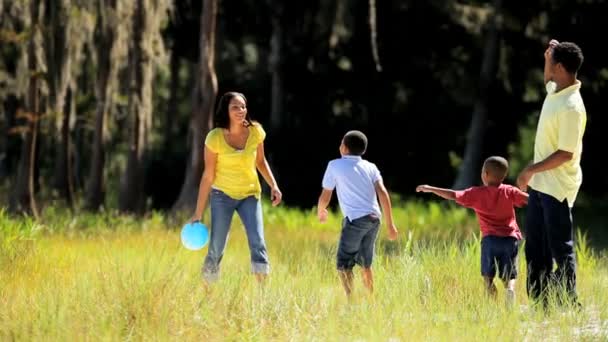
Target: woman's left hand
(276,196)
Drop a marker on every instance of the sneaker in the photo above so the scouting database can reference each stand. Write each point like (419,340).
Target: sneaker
(510,298)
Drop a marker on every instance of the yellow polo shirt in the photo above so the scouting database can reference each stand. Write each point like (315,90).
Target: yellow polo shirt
(560,127)
(235,172)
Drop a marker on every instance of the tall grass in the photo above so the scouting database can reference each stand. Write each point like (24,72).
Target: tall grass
(112,277)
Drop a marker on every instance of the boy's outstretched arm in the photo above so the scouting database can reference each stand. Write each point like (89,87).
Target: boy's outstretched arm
(519,198)
(448,194)
(525,199)
(385,202)
(324,200)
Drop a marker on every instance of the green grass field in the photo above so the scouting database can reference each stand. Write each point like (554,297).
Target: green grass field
(111,277)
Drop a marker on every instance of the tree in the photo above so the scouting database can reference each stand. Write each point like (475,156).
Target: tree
(10,108)
(22,196)
(275,63)
(109,37)
(374,34)
(203,102)
(172,105)
(58,46)
(145,36)
(468,174)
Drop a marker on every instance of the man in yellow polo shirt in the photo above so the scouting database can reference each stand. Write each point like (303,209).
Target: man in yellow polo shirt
(555,176)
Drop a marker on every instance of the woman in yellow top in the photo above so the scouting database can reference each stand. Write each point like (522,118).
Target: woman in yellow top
(233,151)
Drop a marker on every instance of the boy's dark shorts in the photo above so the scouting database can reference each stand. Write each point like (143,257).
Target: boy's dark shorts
(501,252)
(357,242)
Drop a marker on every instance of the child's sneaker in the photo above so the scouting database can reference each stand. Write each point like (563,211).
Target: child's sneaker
(510,298)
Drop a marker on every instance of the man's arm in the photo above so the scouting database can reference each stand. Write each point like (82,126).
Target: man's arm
(548,60)
(556,159)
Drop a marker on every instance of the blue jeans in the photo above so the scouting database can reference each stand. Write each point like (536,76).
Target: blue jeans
(501,252)
(250,212)
(549,236)
(357,241)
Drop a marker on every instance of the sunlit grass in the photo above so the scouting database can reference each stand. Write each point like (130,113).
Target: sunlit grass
(112,277)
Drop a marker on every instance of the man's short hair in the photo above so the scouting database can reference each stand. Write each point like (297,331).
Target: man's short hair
(569,55)
(497,167)
(355,142)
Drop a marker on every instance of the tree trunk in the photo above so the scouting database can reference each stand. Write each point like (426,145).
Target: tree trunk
(63,168)
(131,197)
(275,66)
(59,76)
(22,198)
(204,100)
(374,34)
(7,155)
(81,145)
(172,105)
(104,86)
(469,173)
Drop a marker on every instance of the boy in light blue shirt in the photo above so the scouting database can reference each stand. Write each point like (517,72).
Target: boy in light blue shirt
(358,184)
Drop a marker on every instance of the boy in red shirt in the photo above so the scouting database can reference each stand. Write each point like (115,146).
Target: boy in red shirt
(493,203)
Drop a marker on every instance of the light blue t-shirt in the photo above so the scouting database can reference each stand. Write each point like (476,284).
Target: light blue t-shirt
(354,180)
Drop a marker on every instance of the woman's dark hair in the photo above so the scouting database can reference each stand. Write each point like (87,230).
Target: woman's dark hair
(222,118)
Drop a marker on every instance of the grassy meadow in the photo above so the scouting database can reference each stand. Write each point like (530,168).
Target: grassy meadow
(110,277)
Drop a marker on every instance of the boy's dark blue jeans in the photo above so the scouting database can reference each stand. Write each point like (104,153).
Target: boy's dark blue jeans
(357,241)
(549,236)
(501,252)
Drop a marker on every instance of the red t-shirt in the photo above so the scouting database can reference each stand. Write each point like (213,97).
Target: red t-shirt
(494,208)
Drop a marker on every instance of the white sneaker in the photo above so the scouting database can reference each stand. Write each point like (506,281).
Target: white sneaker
(510,298)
